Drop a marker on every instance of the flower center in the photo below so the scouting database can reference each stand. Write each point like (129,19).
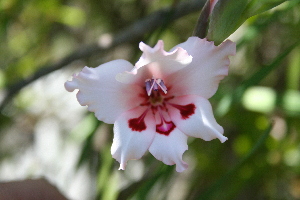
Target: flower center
(158,104)
(155,84)
(156,99)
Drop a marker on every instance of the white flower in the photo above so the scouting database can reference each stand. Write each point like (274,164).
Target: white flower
(156,104)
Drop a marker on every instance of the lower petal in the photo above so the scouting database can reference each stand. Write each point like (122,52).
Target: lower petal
(134,131)
(169,149)
(193,115)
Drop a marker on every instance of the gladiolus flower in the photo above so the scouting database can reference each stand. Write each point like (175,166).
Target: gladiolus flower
(156,104)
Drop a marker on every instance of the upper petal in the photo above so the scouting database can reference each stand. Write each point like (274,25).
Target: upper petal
(155,62)
(209,66)
(193,116)
(102,93)
(158,53)
(133,133)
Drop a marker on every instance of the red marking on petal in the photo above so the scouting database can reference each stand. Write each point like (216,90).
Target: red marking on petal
(165,127)
(145,104)
(154,109)
(138,124)
(168,98)
(186,111)
(143,95)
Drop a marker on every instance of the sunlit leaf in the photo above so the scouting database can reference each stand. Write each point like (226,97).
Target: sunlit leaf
(72,16)
(291,102)
(259,99)
(229,15)
(226,17)
(259,6)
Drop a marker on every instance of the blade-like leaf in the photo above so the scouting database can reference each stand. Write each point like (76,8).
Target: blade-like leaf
(235,97)
(259,6)
(230,174)
(225,19)
(229,15)
(203,20)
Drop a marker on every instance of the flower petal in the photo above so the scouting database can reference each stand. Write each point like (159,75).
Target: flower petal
(102,93)
(158,53)
(134,131)
(155,62)
(169,149)
(209,66)
(193,116)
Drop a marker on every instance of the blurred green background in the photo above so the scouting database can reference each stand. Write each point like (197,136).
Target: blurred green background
(44,132)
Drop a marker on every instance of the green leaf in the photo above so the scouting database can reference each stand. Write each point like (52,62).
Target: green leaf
(229,15)
(258,76)
(87,149)
(203,20)
(264,71)
(259,6)
(226,17)
(229,176)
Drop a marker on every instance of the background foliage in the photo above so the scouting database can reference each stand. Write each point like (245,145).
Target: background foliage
(44,132)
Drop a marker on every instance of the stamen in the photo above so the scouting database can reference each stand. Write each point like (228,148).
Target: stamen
(155,84)
(148,86)
(155,87)
(150,83)
(162,85)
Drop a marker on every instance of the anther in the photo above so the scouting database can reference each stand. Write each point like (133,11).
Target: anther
(155,84)
(162,85)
